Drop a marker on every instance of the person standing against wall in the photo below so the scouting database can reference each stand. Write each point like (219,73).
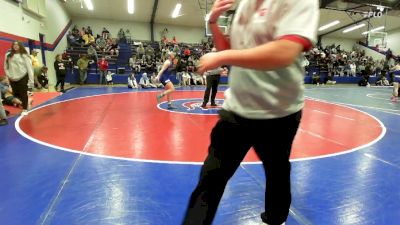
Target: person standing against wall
(18,68)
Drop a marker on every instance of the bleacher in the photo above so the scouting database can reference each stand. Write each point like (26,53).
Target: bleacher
(120,66)
(117,64)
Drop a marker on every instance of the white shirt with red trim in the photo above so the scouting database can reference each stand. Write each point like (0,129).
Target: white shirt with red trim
(256,94)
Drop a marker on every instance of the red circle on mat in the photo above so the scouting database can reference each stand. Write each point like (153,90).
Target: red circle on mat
(129,125)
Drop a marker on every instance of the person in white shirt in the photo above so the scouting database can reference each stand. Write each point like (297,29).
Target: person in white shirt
(266,93)
(155,82)
(353,69)
(145,82)
(19,70)
(132,83)
(109,78)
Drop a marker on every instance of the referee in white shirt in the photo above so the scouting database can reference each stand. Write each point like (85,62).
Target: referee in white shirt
(263,106)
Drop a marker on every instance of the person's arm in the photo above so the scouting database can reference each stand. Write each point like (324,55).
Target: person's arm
(220,40)
(29,67)
(165,67)
(268,56)
(6,68)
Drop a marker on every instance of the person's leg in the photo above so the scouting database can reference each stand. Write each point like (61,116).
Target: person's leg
(103,76)
(170,88)
(273,148)
(81,76)
(62,83)
(395,93)
(207,91)
(3,115)
(58,82)
(396,89)
(178,77)
(215,82)
(13,101)
(20,90)
(229,144)
(84,76)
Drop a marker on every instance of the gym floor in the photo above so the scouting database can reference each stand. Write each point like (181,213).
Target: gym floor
(112,155)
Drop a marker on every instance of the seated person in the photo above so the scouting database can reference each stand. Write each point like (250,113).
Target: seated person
(198,78)
(114,49)
(145,82)
(155,81)
(149,51)
(132,62)
(132,83)
(41,80)
(7,95)
(149,66)
(186,79)
(140,51)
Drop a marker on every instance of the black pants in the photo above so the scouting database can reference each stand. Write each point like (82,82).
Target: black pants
(60,80)
(20,90)
(231,138)
(212,84)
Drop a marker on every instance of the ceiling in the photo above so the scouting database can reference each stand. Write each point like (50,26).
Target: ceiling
(193,13)
(350,11)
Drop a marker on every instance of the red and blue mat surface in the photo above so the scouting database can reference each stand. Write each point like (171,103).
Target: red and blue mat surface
(114,156)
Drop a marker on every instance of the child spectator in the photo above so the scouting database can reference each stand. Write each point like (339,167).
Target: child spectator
(156,82)
(145,82)
(132,83)
(60,69)
(109,78)
(6,92)
(41,79)
(103,67)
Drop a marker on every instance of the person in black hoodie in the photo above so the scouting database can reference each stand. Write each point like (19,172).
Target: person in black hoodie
(59,67)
